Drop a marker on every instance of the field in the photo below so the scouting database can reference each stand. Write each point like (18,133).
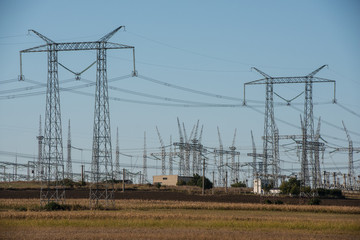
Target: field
(141,219)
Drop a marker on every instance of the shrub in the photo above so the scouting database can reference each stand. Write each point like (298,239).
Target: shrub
(268,201)
(332,193)
(197,181)
(290,187)
(238,184)
(53,206)
(158,185)
(279,202)
(181,183)
(314,201)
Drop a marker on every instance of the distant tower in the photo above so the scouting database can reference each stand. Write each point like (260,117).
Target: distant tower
(171,157)
(39,166)
(117,156)
(69,172)
(144,160)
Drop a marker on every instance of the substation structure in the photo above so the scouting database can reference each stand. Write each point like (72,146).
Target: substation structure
(52,162)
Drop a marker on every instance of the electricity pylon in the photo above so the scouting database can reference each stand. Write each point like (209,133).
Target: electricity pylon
(117,156)
(145,160)
(181,147)
(350,149)
(233,163)
(171,157)
(101,167)
(221,159)
(308,128)
(69,171)
(40,138)
(163,153)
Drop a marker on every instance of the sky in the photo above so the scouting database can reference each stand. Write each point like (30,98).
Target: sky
(207,46)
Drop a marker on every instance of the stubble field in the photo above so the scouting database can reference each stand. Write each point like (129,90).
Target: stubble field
(139,219)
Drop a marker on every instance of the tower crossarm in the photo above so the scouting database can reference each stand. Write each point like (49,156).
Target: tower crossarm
(76,46)
(226,152)
(46,39)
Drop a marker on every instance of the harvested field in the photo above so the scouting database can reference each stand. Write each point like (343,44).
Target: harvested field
(179,196)
(184,220)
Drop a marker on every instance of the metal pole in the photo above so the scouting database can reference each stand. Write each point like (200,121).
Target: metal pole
(213,178)
(82,173)
(123,185)
(226,181)
(203,177)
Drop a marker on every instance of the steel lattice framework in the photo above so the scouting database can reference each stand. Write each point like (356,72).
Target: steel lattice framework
(102,167)
(69,171)
(308,123)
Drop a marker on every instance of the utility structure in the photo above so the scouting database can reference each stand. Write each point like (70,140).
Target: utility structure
(144,161)
(181,143)
(101,167)
(222,166)
(163,153)
(256,169)
(351,172)
(269,123)
(234,170)
(69,171)
(171,171)
(39,165)
(117,156)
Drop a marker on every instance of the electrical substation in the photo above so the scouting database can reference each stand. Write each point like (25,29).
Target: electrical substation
(184,153)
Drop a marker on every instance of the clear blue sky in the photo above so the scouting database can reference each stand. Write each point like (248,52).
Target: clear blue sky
(203,45)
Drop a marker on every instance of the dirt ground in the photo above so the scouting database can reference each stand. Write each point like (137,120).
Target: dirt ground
(179,196)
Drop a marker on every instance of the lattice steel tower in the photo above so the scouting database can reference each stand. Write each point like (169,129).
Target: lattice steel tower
(69,171)
(308,123)
(117,156)
(39,165)
(52,188)
(101,167)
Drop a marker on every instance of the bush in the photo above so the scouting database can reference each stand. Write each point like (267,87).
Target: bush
(238,184)
(279,202)
(268,201)
(53,206)
(197,181)
(158,185)
(268,185)
(181,183)
(290,187)
(314,201)
(332,193)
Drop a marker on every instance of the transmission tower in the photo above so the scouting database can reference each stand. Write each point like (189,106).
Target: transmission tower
(117,156)
(269,125)
(316,170)
(233,162)
(195,167)
(350,150)
(181,148)
(53,160)
(171,157)
(39,164)
(163,153)
(200,150)
(144,160)
(69,172)
(221,160)
(187,153)
(101,167)
(254,156)
(351,171)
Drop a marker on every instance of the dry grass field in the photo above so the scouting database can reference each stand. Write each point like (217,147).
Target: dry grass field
(136,219)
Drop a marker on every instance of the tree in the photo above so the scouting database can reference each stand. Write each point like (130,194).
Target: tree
(290,187)
(197,181)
